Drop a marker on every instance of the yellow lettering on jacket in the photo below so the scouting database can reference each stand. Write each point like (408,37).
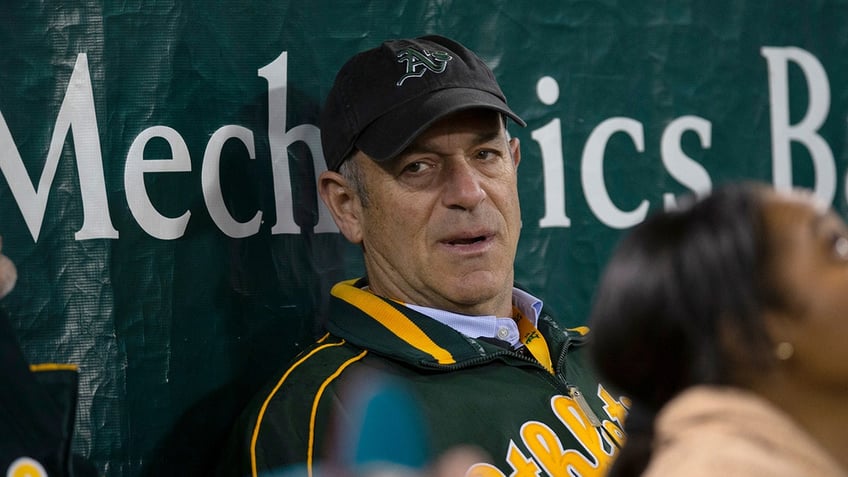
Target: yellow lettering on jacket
(617,410)
(547,455)
(549,452)
(522,466)
(568,411)
(484,470)
(614,409)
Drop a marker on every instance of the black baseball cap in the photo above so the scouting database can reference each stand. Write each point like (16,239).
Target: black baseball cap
(383,98)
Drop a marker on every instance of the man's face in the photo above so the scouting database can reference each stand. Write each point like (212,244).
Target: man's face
(442,220)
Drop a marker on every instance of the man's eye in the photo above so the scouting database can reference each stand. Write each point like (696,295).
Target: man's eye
(414,167)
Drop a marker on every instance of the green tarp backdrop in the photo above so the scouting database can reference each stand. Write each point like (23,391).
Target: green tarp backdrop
(159,158)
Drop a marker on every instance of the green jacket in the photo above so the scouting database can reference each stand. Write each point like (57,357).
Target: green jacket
(387,383)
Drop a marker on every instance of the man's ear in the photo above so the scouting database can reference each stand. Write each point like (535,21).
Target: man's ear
(343,202)
(515,150)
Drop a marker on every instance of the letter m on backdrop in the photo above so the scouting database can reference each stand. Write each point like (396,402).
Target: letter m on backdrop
(76,114)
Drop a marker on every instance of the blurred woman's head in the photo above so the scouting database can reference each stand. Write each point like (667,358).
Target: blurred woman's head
(669,288)
(746,287)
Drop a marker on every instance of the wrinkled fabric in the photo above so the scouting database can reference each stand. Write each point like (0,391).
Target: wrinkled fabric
(626,103)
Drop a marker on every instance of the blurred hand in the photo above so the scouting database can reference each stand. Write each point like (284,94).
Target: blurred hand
(8,273)
(457,462)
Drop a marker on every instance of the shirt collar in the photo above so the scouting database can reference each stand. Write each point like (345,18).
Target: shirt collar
(489,326)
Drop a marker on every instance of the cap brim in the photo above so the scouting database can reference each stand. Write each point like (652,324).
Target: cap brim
(393,132)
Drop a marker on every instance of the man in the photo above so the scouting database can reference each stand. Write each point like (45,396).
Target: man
(435,349)
(38,403)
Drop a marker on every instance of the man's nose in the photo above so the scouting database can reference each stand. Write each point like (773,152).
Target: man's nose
(463,187)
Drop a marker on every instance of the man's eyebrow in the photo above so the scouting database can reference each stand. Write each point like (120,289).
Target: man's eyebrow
(488,136)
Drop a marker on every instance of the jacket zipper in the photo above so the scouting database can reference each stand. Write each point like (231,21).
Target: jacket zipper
(575,394)
(481,360)
(574,391)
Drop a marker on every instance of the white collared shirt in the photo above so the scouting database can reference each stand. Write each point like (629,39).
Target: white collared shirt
(488,326)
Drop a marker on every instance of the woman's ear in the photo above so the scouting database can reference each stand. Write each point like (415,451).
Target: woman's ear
(750,358)
(344,204)
(782,329)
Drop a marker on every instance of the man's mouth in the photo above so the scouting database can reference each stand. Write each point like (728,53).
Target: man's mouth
(468,240)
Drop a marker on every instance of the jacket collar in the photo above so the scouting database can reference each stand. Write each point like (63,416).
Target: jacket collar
(389,328)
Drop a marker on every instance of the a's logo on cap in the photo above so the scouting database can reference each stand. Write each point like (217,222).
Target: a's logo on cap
(419,62)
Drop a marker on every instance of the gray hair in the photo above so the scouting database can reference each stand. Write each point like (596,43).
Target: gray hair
(352,172)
